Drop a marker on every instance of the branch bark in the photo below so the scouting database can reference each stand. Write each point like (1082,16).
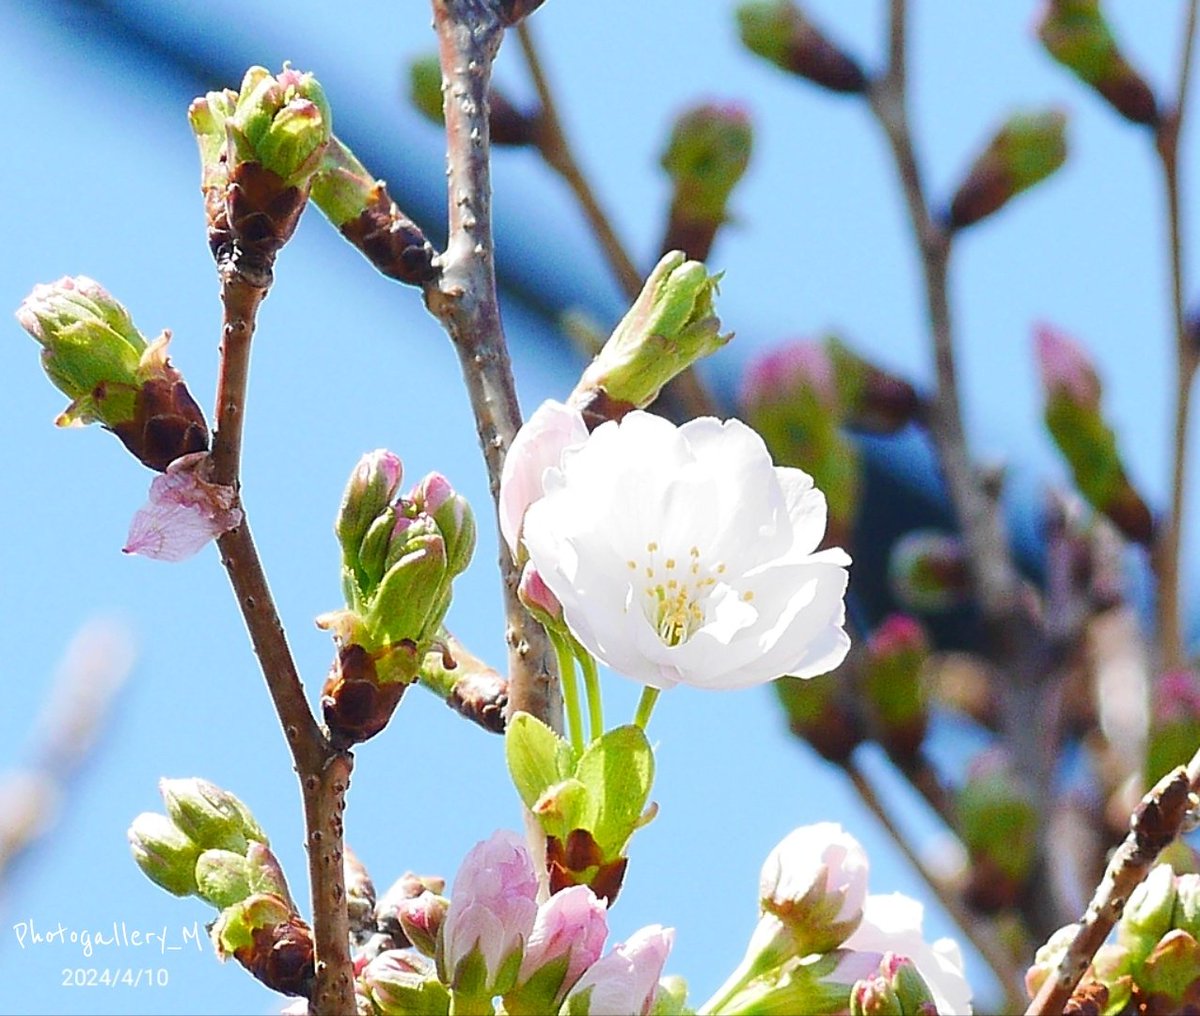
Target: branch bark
(324,772)
(463,298)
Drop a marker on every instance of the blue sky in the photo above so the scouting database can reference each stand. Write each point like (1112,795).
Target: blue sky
(101,179)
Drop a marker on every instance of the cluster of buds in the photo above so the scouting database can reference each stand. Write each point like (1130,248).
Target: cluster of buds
(209,845)
(1076,423)
(492,939)
(706,155)
(1076,34)
(800,397)
(400,556)
(94,354)
(1154,963)
(823,944)
(782,34)
(259,150)
(672,324)
(1026,149)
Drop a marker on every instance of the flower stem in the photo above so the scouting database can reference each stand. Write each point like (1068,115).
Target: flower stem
(570,690)
(470,1005)
(646,706)
(591,682)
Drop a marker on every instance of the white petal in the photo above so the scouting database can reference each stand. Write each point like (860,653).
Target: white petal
(805,507)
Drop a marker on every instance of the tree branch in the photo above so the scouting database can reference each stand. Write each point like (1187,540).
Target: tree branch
(463,298)
(324,772)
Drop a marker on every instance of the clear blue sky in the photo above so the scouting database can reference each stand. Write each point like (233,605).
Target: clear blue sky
(101,179)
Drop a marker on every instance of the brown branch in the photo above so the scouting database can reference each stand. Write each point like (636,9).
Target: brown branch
(981,934)
(684,397)
(1187,358)
(1154,824)
(463,298)
(324,772)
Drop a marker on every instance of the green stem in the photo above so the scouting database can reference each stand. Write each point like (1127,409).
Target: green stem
(570,690)
(591,684)
(646,706)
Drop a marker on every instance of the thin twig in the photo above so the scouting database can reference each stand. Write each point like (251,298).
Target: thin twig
(463,298)
(324,772)
(1187,358)
(685,397)
(981,935)
(1154,824)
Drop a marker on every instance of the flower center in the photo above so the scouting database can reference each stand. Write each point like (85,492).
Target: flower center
(675,593)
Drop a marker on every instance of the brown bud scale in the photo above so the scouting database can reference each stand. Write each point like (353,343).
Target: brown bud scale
(568,864)
(167,423)
(281,957)
(355,704)
(391,241)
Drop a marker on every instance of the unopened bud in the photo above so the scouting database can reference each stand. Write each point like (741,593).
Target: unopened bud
(355,702)
(508,125)
(1026,150)
(1169,980)
(781,33)
(370,490)
(873,996)
(93,353)
(413,595)
(212,818)
(271,941)
(1148,914)
(536,597)
(927,571)
(818,711)
(361,208)
(1047,958)
(1175,723)
(283,122)
(1074,419)
(893,683)
(408,886)
(455,521)
(165,855)
(402,983)
(1076,34)
(421,918)
(222,878)
(670,326)
(360,897)
(998,824)
(706,156)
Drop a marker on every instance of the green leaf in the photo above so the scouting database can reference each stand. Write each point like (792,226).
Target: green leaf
(537,757)
(618,771)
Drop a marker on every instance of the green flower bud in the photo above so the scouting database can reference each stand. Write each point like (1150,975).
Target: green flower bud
(1148,915)
(927,571)
(780,32)
(1175,723)
(820,711)
(874,996)
(706,156)
(1026,150)
(282,122)
(165,855)
(222,877)
(402,984)
(1170,978)
(209,816)
(893,683)
(409,602)
(1076,34)
(998,824)
(373,552)
(455,521)
(370,490)
(670,326)
(265,873)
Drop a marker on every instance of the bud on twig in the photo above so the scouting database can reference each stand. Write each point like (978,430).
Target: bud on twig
(1174,725)
(670,326)
(1026,150)
(271,941)
(819,711)
(706,156)
(1073,417)
(94,354)
(211,817)
(1076,34)
(361,208)
(166,856)
(998,824)
(465,683)
(893,684)
(781,33)
(927,571)
(873,400)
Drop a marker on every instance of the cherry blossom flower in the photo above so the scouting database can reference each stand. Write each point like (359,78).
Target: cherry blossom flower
(183,513)
(892,923)
(625,980)
(679,554)
(571,925)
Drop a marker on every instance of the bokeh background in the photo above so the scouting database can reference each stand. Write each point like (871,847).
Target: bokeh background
(100,178)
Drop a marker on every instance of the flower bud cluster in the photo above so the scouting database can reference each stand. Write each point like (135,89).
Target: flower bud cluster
(1154,963)
(209,845)
(400,556)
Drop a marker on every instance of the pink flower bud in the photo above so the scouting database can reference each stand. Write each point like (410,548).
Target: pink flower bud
(538,446)
(626,980)
(538,599)
(571,925)
(183,513)
(492,910)
(784,373)
(1065,367)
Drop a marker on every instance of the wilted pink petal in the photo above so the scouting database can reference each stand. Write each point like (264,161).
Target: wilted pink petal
(184,513)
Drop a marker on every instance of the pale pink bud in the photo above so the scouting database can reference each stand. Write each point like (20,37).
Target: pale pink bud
(626,980)
(814,883)
(533,592)
(572,923)
(431,493)
(1177,697)
(182,514)
(1066,367)
(782,374)
(492,908)
(538,446)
